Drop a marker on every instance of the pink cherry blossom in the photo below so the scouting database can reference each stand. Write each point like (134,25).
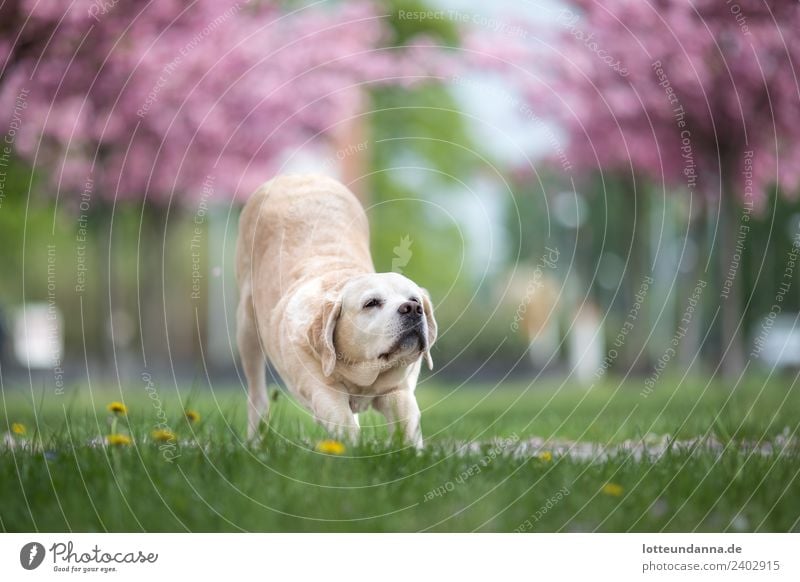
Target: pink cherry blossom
(729,79)
(149,99)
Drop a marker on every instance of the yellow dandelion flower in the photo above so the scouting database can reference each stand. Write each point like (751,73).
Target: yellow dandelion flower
(118,408)
(612,489)
(162,435)
(331,447)
(118,440)
(18,428)
(192,415)
(545,456)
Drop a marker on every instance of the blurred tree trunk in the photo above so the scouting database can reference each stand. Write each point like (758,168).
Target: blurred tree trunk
(731,341)
(151,308)
(697,232)
(96,300)
(636,358)
(352,147)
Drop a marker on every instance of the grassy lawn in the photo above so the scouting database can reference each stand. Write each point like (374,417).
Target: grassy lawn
(56,481)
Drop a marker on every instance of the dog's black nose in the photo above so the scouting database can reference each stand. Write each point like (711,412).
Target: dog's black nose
(410,309)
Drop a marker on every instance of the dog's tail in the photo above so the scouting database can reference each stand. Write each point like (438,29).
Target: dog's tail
(247,224)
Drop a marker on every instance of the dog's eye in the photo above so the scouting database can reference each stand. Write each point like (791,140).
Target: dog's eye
(373,303)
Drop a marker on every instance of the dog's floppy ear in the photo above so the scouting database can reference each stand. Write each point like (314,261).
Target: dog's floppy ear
(320,334)
(427,306)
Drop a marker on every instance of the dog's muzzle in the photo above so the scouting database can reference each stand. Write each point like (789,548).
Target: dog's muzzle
(412,338)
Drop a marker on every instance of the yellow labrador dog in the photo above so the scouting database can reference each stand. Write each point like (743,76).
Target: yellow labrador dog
(341,336)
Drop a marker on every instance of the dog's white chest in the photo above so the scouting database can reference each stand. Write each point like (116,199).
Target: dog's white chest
(360,403)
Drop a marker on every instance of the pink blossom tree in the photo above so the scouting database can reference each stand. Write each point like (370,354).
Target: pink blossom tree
(149,100)
(700,96)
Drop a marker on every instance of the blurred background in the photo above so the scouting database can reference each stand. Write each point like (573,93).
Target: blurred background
(586,189)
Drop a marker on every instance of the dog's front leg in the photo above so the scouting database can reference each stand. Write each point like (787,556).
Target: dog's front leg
(402,412)
(331,408)
(253,364)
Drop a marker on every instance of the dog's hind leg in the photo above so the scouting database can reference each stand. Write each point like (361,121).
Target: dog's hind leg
(253,363)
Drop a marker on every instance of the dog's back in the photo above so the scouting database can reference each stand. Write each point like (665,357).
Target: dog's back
(293,223)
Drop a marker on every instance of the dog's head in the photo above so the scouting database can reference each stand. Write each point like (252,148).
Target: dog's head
(379,319)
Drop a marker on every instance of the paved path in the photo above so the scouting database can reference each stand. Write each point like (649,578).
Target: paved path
(651,446)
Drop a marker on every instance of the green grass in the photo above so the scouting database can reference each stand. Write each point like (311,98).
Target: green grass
(217,483)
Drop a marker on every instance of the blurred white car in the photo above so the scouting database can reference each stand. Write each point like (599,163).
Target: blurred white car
(777,341)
